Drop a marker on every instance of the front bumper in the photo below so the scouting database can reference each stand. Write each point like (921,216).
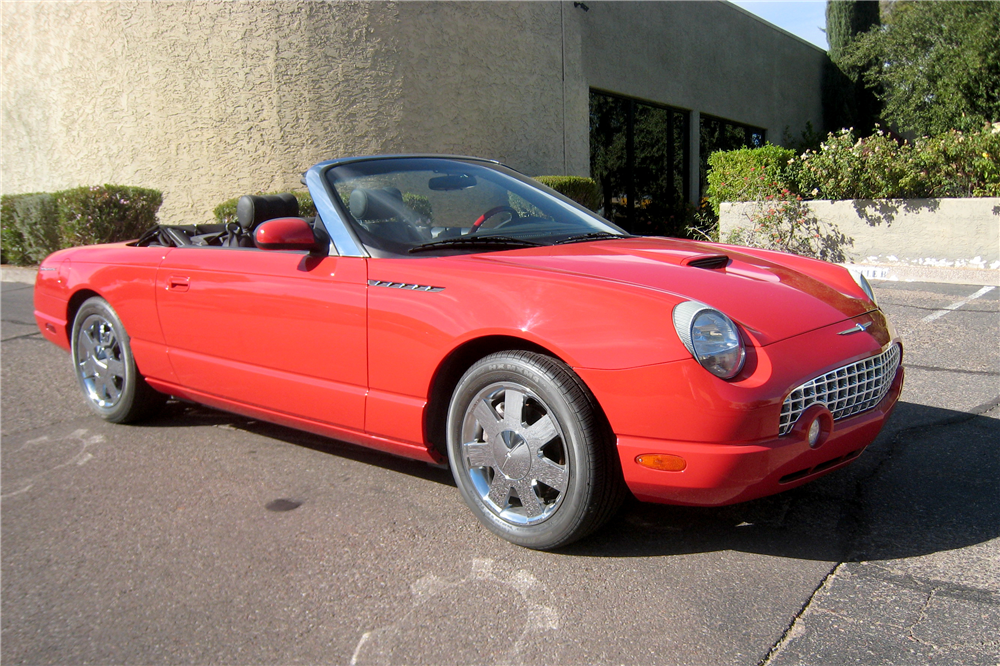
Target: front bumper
(719,474)
(727,432)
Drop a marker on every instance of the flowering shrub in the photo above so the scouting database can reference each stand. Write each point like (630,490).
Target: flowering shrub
(957,164)
(35,225)
(875,167)
(953,164)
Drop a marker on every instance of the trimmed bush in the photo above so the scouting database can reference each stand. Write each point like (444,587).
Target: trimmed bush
(419,204)
(36,218)
(35,225)
(106,213)
(582,190)
(225,212)
(748,174)
(12,250)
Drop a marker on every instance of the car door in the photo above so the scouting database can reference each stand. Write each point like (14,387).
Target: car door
(280,331)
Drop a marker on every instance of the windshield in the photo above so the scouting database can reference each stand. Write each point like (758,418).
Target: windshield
(416,204)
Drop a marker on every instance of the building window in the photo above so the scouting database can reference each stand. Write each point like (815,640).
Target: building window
(639,157)
(721,134)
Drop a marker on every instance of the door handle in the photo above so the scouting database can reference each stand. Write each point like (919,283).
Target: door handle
(178,283)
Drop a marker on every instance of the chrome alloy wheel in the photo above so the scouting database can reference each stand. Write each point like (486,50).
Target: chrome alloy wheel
(99,361)
(513,452)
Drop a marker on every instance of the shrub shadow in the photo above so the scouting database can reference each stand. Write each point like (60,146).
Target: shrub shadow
(877,212)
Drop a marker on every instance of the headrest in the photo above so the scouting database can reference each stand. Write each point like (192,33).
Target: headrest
(251,210)
(377,204)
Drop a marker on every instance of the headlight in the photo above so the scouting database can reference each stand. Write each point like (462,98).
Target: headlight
(864,284)
(711,337)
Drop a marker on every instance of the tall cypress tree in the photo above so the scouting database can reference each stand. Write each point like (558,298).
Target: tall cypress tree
(847,101)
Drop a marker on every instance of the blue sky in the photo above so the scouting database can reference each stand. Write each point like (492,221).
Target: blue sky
(803,18)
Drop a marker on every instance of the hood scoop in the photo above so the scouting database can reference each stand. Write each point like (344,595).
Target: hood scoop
(707,261)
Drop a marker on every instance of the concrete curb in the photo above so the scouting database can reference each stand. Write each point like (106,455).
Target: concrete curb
(25,274)
(942,275)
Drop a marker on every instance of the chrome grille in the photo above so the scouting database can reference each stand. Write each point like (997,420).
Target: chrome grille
(846,391)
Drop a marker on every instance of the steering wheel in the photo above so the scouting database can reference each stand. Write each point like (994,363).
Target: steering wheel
(490,213)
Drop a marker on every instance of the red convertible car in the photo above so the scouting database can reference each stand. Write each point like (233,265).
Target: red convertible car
(451,309)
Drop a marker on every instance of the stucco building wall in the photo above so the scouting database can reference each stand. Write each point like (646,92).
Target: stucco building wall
(207,100)
(202,100)
(710,57)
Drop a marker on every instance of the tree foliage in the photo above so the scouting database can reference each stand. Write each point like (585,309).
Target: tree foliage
(845,20)
(848,101)
(937,64)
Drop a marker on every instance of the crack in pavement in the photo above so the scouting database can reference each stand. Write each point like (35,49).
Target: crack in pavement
(921,616)
(21,337)
(793,629)
(852,526)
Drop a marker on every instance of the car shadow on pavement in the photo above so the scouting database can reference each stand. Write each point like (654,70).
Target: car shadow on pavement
(929,483)
(178,414)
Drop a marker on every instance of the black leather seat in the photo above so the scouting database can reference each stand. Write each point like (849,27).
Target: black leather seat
(252,209)
(383,213)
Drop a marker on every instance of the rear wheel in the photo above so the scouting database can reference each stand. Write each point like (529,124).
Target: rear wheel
(529,452)
(105,368)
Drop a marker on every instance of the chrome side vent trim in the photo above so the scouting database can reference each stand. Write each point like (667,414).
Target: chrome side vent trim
(403,285)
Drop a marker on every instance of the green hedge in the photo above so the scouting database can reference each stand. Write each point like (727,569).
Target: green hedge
(35,225)
(12,247)
(582,190)
(225,212)
(747,174)
(953,164)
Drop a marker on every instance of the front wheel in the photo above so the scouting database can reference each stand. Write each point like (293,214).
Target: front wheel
(529,451)
(105,368)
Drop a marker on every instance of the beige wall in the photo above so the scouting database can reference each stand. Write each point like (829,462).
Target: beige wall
(206,100)
(940,233)
(709,57)
(202,100)
(483,79)
(210,100)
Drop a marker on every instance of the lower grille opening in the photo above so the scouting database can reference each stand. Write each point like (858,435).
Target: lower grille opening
(816,469)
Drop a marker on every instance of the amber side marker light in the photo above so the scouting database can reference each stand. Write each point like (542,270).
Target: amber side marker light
(662,461)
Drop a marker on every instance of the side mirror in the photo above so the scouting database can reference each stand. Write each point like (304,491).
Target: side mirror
(289,233)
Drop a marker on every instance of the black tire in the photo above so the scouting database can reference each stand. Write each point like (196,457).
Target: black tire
(543,475)
(105,367)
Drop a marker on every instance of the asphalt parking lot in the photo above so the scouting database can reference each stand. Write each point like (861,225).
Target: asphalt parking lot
(202,537)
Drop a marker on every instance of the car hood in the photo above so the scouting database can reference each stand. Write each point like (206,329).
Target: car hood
(772,295)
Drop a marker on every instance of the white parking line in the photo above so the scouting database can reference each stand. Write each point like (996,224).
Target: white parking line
(954,306)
